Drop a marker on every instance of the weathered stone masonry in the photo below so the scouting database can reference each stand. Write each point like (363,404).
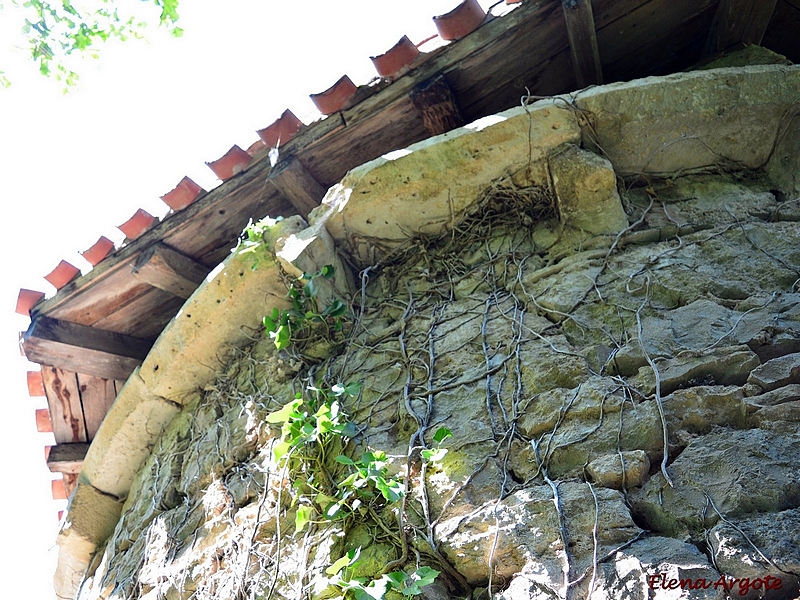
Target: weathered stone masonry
(571,290)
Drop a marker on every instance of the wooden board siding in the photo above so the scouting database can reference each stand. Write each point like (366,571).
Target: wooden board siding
(64,400)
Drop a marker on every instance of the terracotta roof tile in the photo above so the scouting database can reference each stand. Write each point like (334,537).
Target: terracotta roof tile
(282,130)
(256,147)
(62,274)
(186,192)
(334,98)
(397,60)
(137,224)
(461,21)
(231,163)
(59,490)
(35,383)
(43,423)
(99,250)
(26,300)
(47,453)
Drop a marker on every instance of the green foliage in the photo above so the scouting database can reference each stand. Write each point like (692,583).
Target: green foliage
(315,420)
(58,29)
(435,455)
(362,588)
(304,316)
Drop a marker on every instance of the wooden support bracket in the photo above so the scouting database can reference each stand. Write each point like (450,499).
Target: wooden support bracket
(739,21)
(169,270)
(67,458)
(583,42)
(437,106)
(83,349)
(292,180)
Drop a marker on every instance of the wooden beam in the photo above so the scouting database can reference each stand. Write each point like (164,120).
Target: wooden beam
(583,42)
(79,348)
(292,180)
(169,270)
(97,396)
(67,458)
(64,401)
(437,106)
(739,21)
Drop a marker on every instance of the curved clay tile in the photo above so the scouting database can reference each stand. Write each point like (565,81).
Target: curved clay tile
(333,99)
(397,59)
(35,383)
(137,224)
(461,21)
(62,274)
(43,422)
(98,251)
(26,300)
(183,195)
(231,163)
(282,130)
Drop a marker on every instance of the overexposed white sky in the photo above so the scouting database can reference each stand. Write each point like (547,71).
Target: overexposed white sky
(74,166)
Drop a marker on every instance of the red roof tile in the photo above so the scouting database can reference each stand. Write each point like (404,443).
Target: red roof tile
(231,163)
(397,59)
(59,490)
(101,248)
(137,224)
(282,130)
(334,98)
(183,195)
(26,300)
(35,383)
(43,423)
(461,21)
(62,274)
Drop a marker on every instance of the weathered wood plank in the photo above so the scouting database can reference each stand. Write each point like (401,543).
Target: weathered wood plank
(738,21)
(631,47)
(64,400)
(294,181)
(75,348)
(67,458)
(583,42)
(97,396)
(70,482)
(169,270)
(437,106)
(145,316)
(781,35)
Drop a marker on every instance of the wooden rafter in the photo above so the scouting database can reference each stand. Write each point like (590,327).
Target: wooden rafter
(436,104)
(169,270)
(299,187)
(67,458)
(583,42)
(78,348)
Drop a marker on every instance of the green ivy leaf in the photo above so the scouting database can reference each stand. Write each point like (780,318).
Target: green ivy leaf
(435,455)
(442,434)
(347,560)
(304,515)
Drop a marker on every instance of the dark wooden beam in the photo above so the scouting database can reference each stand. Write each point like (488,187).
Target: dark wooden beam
(169,270)
(738,21)
(437,106)
(583,42)
(299,187)
(83,349)
(67,458)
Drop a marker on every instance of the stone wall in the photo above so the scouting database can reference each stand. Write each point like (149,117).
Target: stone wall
(597,295)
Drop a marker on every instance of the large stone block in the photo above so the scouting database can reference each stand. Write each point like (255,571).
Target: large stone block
(125,438)
(586,188)
(426,191)
(91,518)
(224,312)
(691,120)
